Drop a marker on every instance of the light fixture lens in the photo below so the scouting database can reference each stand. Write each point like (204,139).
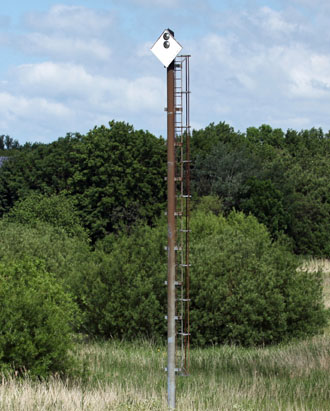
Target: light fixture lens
(166,36)
(166,44)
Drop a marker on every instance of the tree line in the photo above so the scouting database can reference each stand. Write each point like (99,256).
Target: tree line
(115,177)
(280,178)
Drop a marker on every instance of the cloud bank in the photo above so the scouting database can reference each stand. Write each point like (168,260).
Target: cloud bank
(73,67)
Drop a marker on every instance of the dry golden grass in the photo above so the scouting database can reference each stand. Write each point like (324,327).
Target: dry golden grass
(313,265)
(124,376)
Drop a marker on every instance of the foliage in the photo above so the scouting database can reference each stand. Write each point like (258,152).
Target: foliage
(114,176)
(126,295)
(36,319)
(203,141)
(246,289)
(56,210)
(309,204)
(68,258)
(266,202)
(118,178)
(281,178)
(208,204)
(37,168)
(223,172)
(7,143)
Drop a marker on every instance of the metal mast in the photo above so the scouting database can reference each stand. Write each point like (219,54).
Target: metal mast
(166,49)
(171,237)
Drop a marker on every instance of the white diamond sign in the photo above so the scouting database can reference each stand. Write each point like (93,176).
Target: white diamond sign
(166,48)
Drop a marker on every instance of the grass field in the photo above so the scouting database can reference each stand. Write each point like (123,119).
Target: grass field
(123,376)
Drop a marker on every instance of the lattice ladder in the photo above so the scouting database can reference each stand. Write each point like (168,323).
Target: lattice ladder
(182,144)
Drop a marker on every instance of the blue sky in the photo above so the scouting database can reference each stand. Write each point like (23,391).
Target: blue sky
(68,66)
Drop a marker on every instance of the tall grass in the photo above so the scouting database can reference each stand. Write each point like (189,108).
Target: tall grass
(126,376)
(123,376)
(313,265)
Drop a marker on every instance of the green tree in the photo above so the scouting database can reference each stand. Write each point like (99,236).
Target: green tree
(36,168)
(55,210)
(309,204)
(7,143)
(204,140)
(118,177)
(266,202)
(114,175)
(224,172)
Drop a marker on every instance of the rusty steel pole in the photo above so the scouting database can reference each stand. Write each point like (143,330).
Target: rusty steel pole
(171,226)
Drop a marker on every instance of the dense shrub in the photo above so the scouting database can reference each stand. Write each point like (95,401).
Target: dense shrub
(70,259)
(67,257)
(125,296)
(36,319)
(245,289)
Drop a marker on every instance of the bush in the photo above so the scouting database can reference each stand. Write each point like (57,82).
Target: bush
(247,290)
(36,319)
(125,297)
(68,258)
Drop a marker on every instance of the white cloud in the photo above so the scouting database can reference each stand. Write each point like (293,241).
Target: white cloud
(36,116)
(274,21)
(249,65)
(21,106)
(64,47)
(260,69)
(311,76)
(70,81)
(53,94)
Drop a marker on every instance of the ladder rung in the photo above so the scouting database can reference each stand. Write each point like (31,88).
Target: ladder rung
(177,283)
(175,369)
(184,299)
(184,334)
(176,213)
(176,248)
(175,178)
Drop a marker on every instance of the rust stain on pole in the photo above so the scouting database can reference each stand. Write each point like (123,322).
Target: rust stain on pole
(171,208)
